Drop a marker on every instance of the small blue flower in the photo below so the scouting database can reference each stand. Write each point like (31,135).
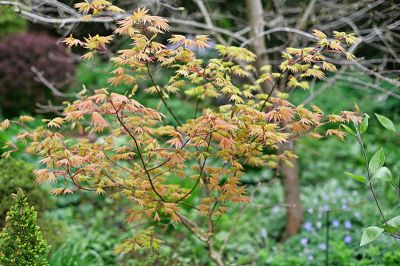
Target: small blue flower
(348,224)
(347,239)
(307,226)
(345,207)
(304,241)
(322,246)
(335,223)
(310,257)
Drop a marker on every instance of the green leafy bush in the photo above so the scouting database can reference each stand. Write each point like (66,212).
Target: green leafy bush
(10,22)
(16,174)
(21,242)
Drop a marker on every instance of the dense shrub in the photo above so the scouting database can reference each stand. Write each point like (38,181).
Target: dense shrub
(16,174)
(21,242)
(10,22)
(19,87)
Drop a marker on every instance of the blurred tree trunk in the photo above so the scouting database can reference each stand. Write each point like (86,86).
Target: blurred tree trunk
(290,173)
(255,14)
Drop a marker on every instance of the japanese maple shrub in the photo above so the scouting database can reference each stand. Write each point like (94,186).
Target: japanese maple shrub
(216,144)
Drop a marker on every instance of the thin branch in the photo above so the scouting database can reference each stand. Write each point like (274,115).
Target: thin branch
(200,174)
(161,96)
(26,12)
(49,85)
(138,150)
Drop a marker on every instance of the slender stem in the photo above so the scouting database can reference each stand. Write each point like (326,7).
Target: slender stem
(138,150)
(272,91)
(370,185)
(161,96)
(197,108)
(201,173)
(327,239)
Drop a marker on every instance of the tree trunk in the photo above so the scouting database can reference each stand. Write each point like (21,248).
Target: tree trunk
(214,254)
(290,174)
(294,214)
(255,14)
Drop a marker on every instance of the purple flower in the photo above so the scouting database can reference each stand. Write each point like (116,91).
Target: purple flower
(322,246)
(345,207)
(335,223)
(307,226)
(347,224)
(347,239)
(304,241)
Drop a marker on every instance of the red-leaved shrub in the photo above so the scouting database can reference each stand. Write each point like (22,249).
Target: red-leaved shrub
(19,86)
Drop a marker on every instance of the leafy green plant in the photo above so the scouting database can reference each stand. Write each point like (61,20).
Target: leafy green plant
(16,174)
(21,241)
(10,22)
(376,173)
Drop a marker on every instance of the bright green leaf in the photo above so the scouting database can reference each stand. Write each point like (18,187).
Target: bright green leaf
(383,174)
(348,129)
(370,234)
(394,224)
(385,122)
(364,124)
(377,161)
(356,177)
